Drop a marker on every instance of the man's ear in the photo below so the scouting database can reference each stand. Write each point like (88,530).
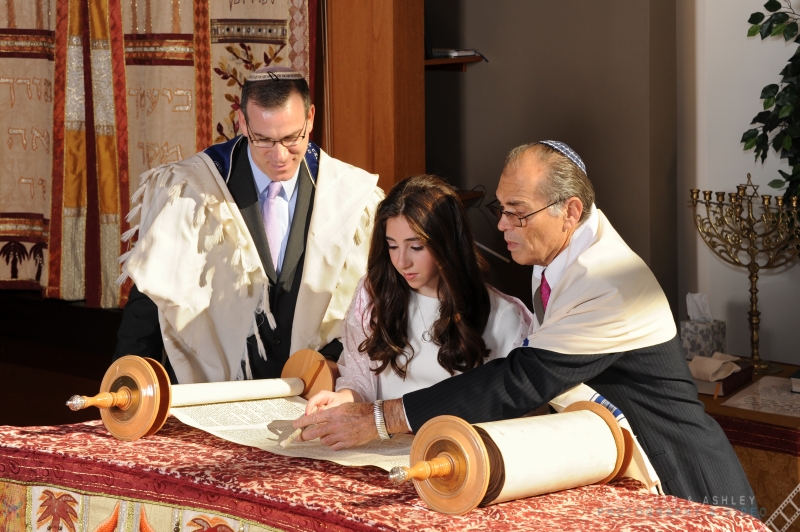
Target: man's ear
(242,122)
(310,116)
(573,208)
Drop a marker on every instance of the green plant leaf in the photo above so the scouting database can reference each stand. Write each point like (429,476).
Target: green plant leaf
(780,18)
(772,6)
(753,30)
(790,31)
(769,91)
(766,28)
(749,144)
(761,118)
(777,30)
(756,18)
(793,130)
(749,134)
(777,141)
(769,102)
(787,142)
(785,175)
(776,183)
(786,110)
(773,121)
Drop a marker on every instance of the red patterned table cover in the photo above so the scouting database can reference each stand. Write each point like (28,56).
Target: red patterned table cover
(222,486)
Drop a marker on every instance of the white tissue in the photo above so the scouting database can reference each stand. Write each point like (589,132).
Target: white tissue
(725,358)
(697,307)
(714,368)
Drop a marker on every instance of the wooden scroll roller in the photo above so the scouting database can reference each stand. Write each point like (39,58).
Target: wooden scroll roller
(136,395)
(458,466)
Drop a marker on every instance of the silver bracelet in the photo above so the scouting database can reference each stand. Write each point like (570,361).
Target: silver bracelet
(380,422)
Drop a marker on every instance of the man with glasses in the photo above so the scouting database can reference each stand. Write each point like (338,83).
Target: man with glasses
(601,319)
(251,250)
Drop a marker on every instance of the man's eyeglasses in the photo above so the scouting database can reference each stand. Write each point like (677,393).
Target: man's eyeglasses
(287,142)
(498,213)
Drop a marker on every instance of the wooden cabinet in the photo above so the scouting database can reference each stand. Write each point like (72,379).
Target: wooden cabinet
(374,86)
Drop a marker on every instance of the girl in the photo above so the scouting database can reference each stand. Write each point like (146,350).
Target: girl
(423,312)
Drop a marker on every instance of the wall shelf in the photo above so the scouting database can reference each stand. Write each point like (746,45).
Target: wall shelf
(457,64)
(468,196)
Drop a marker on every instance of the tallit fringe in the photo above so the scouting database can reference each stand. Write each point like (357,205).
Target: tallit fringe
(134,211)
(164,176)
(129,233)
(176,190)
(271,319)
(122,258)
(200,215)
(140,191)
(219,233)
(261,351)
(121,279)
(263,306)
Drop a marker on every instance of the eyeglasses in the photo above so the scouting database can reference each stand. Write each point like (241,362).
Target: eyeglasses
(287,142)
(498,212)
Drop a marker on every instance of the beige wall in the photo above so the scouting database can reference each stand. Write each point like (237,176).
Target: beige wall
(720,75)
(599,76)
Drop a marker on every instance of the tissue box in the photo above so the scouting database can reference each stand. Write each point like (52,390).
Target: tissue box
(702,338)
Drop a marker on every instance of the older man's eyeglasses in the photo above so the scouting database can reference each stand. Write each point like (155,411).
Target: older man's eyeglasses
(498,213)
(287,142)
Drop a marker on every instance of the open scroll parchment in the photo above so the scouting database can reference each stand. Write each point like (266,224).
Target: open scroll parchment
(264,423)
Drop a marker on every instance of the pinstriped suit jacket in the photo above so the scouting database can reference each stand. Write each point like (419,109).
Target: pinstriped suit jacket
(652,386)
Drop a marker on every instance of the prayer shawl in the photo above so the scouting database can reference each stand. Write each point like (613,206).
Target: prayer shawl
(607,301)
(196,260)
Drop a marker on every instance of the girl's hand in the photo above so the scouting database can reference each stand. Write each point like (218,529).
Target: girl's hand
(326,399)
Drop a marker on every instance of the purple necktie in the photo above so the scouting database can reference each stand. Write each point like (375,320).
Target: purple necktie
(269,212)
(545,291)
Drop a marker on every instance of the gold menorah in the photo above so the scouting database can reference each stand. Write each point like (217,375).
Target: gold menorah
(739,237)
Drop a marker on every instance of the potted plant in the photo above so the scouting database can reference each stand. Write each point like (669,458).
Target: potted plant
(778,125)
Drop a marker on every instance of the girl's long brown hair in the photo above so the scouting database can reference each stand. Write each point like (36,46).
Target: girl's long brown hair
(437,217)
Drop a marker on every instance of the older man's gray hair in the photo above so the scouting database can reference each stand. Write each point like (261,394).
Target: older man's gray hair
(564,178)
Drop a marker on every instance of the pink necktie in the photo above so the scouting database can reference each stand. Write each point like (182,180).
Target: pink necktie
(269,212)
(545,291)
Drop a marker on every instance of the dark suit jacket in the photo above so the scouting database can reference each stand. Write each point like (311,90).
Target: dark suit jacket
(653,387)
(140,333)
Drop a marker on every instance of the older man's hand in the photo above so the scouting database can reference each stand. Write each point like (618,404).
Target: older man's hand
(340,427)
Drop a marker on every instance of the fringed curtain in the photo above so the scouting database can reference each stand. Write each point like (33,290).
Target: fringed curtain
(93,94)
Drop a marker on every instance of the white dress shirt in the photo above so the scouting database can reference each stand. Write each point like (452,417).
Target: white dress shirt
(287,201)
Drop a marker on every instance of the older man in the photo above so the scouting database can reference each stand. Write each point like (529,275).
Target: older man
(601,319)
(250,250)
